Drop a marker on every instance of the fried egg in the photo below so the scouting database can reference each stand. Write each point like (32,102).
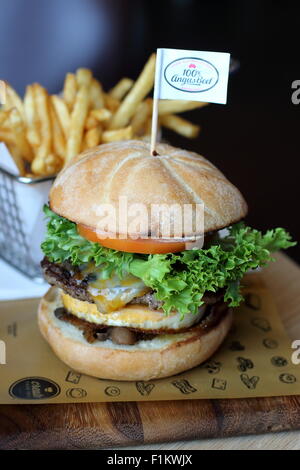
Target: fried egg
(134,316)
(113,293)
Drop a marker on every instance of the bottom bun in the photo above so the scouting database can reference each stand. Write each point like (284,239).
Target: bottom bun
(162,356)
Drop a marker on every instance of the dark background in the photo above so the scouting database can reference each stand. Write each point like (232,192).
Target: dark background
(254,139)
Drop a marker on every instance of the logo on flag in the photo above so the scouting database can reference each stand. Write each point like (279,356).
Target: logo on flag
(192,77)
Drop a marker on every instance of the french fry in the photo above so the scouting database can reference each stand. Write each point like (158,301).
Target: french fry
(62,113)
(58,140)
(111,103)
(83,77)
(13,100)
(30,115)
(180,125)
(96,95)
(91,121)
(101,114)
(17,124)
(138,122)
(140,89)
(42,102)
(33,138)
(117,134)
(78,118)
(52,164)
(7,136)
(4,115)
(148,127)
(70,89)
(18,158)
(121,88)
(38,166)
(82,149)
(92,137)
(178,106)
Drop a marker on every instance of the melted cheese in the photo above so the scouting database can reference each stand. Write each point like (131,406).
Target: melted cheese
(114,293)
(135,316)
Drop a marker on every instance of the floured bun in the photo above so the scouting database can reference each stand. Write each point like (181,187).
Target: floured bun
(103,174)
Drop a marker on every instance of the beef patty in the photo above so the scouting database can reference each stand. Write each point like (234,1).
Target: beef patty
(67,277)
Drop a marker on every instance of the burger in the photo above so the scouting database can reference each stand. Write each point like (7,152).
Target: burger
(144,306)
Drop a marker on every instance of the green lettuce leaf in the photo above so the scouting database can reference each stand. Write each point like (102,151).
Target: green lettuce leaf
(180,279)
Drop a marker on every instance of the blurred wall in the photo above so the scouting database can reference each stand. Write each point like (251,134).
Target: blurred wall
(41,40)
(254,139)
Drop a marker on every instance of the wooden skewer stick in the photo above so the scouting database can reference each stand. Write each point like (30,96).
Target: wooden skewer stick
(156,94)
(154,126)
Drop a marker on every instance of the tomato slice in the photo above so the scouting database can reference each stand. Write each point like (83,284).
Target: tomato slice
(140,245)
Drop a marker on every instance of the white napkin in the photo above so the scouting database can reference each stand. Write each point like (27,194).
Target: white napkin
(13,285)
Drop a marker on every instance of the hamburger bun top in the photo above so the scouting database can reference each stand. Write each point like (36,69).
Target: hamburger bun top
(101,175)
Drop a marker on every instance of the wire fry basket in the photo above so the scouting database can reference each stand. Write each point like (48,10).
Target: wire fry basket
(22,224)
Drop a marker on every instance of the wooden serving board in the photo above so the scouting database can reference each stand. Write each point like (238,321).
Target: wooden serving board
(98,425)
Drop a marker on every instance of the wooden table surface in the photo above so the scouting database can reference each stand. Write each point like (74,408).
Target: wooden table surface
(283,278)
